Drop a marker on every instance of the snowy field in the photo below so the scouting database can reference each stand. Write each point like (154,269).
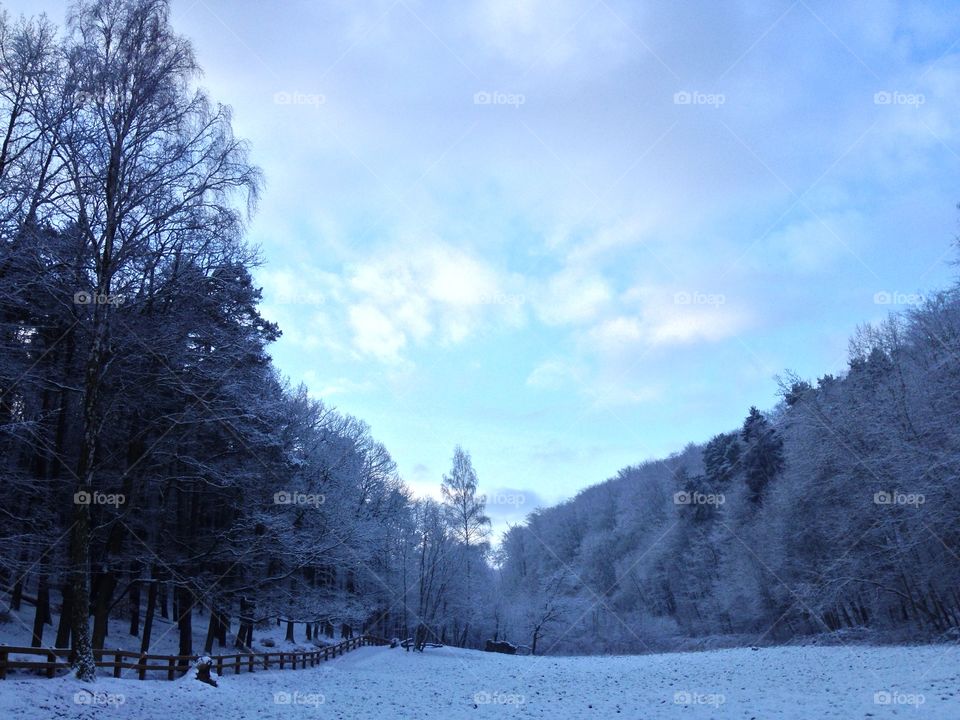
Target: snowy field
(802,683)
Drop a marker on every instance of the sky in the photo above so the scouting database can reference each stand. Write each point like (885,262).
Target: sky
(575,235)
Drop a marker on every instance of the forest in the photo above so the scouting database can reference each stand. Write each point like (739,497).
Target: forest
(834,514)
(158,465)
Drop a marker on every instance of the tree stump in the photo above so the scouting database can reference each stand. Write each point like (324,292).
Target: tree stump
(204,665)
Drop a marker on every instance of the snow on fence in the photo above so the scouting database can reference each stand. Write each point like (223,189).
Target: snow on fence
(174,665)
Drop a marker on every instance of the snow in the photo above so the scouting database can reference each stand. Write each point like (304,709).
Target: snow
(789,683)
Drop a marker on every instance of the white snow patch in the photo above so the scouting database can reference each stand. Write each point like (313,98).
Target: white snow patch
(790,683)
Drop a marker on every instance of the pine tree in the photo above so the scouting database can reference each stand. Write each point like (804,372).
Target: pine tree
(763,454)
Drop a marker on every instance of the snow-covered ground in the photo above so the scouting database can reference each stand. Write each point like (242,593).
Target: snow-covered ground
(805,683)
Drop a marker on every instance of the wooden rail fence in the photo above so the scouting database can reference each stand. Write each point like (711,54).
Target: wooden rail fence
(176,665)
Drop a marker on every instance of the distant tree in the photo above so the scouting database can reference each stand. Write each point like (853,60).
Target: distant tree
(763,453)
(721,457)
(465,511)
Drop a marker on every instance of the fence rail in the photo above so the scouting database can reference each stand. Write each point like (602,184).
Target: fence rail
(173,666)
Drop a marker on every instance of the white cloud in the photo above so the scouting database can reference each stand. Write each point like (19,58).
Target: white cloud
(375,334)
(617,333)
(428,289)
(693,325)
(572,297)
(324,389)
(552,33)
(554,374)
(657,316)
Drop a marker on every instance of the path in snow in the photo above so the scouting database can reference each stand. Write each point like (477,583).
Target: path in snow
(802,683)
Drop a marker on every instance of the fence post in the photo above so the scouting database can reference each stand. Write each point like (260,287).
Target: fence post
(281,660)
(236,667)
(250,663)
(142,671)
(51,659)
(171,667)
(117,659)
(220,665)
(3,663)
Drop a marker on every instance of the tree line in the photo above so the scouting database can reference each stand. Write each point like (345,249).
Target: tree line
(835,513)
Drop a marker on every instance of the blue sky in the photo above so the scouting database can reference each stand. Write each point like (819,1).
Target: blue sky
(569,235)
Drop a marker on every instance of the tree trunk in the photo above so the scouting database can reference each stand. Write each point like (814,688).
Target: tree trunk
(16,596)
(245,630)
(101,613)
(289,637)
(211,631)
(81,651)
(162,599)
(148,618)
(185,621)
(135,608)
(66,612)
(42,612)
(223,626)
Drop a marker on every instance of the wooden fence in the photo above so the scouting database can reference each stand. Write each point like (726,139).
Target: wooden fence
(173,666)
